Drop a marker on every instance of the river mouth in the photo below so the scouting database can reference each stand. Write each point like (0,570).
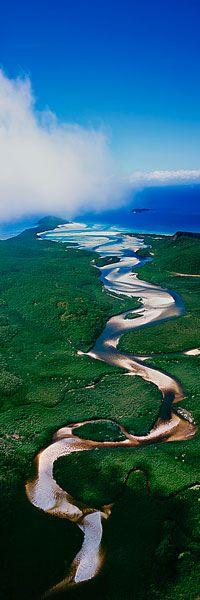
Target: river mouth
(156,305)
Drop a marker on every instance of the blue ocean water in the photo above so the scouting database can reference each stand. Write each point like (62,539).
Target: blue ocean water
(13,228)
(146,222)
(171,209)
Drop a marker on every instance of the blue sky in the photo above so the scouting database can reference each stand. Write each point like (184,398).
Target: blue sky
(131,66)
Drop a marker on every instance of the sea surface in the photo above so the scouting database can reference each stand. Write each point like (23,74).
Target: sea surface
(152,221)
(8,230)
(170,209)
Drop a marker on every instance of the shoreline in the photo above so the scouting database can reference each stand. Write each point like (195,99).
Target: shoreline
(13,229)
(43,492)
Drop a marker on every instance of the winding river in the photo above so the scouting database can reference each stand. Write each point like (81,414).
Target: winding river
(157,304)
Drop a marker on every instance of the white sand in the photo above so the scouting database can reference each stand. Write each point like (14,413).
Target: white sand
(157,304)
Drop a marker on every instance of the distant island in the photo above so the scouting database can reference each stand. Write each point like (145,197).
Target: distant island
(191,234)
(140,210)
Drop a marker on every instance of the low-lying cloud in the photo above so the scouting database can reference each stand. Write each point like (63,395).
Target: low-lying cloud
(165,177)
(47,166)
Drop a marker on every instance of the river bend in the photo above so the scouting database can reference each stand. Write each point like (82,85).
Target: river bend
(156,305)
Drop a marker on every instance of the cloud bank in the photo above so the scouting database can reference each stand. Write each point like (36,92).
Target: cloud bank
(165,177)
(51,167)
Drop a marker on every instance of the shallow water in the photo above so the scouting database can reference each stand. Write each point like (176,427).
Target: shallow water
(157,304)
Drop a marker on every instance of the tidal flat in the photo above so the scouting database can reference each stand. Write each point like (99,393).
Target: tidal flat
(52,305)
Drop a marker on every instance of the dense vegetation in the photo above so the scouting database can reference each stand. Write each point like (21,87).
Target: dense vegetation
(156,536)
(170,257)
(51,305)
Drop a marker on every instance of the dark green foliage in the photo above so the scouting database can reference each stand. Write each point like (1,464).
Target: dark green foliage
(52,305)
(181,256)
(101,431)
(151,539)
(9,383)
(180,334)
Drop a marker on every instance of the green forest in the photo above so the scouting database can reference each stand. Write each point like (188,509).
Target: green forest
(52,304)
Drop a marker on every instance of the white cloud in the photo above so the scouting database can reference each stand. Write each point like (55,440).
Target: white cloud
(47,166)
(165,177)
(51,167)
